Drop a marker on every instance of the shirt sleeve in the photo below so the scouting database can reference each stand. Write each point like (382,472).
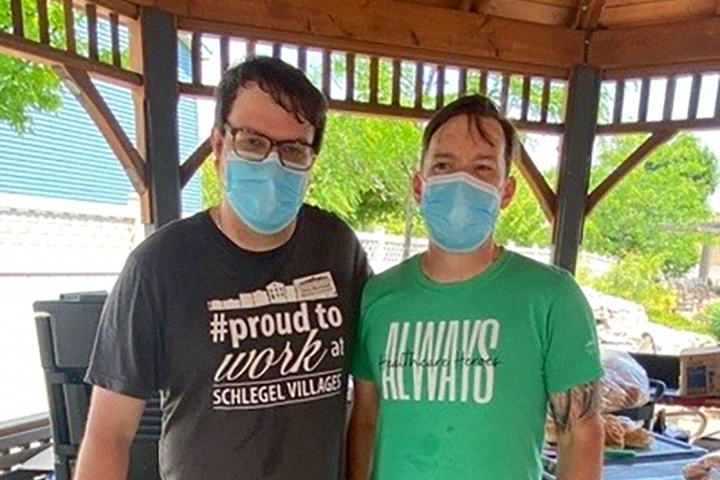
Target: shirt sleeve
(572,356)
(127,355)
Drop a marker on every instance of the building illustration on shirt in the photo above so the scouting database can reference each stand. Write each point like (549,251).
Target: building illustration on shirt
(312,287)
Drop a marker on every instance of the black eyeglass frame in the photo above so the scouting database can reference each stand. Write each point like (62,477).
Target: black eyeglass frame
(273,146)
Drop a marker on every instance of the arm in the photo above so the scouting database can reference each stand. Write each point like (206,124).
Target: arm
(361,431)
(109,432)
(580,432)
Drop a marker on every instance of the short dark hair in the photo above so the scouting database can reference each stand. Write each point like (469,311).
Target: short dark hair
(287,85)
(475,107)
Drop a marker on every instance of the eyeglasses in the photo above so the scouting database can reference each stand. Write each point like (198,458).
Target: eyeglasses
(255,146)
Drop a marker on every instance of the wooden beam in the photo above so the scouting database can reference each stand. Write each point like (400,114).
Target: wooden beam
(121,7)
(384,110)
(43,23)
(638,12)
(504,92)
(302,58)
(619,101)
(537,182)
(452,37)
(622,170)
(545,100)
(419,84)
(525,102)
(92,30)
(224,54)
(177,7)
(374,76)
(326,73)
(669,98)
(694,97)
(80,84)
(465,5)
(462,82)
(686,68)
(440,87)
(17,18)
(682,42)
(196,57)
(547,12)
(637,127)
(137,63)
(575,164)
(396,73)
(588,14)
(644,99)
(349,76)
(115,40)
(205,91)
(47,55)
(69,14)
(195,161)
(193,90)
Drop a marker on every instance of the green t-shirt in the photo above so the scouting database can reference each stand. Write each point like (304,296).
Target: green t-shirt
(464,370)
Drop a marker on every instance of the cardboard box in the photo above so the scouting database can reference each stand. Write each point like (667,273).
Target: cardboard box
(700,372)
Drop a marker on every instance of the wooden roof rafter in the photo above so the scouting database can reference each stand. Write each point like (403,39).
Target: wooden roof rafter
(665,48)
(544,194)
(588,14)
(466,38)
(78,82)
(626,166)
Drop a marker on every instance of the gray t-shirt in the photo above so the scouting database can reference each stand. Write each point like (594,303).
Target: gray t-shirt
(248,350)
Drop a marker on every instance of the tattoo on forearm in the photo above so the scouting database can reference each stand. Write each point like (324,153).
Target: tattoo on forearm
(572,405)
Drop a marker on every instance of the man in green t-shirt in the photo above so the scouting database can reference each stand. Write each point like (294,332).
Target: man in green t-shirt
(461,348)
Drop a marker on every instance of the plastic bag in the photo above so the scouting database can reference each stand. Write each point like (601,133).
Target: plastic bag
(625,383)
(706,468)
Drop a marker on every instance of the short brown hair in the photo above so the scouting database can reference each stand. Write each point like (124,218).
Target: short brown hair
(287,85)
(475,107)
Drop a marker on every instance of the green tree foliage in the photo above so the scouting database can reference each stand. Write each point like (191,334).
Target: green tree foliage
(656,209)
(712,317)
(25,86)
(363,172)
(210,188)
(523,222)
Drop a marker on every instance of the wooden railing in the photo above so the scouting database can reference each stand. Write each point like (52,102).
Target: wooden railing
(76,33)
(380,85)
(23,438)
(634,106)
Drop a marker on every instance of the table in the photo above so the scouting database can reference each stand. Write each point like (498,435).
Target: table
(673,398)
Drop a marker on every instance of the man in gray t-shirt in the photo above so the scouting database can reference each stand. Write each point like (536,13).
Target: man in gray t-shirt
(242,316)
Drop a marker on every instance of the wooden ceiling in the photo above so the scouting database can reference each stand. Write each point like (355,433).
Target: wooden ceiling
(624,38)
(609,14)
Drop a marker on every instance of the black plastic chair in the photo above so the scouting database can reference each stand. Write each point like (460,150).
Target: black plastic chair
(66,333)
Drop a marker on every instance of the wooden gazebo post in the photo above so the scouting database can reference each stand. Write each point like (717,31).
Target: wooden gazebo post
(156,113)
(575,161)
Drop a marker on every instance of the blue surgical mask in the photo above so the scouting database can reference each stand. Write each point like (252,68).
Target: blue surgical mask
(459,211)
(265,195)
